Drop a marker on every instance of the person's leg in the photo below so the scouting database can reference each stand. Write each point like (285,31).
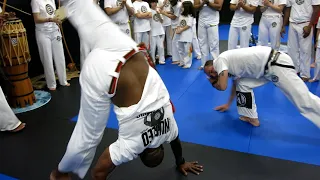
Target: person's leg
(153,48)
(84,51)
(175,46)
(275,29)
(263,37)
(245,34)
(295,89)
(181,53)
(203,42)
(305,52)
(293,46)
(8,120)
(246,104)
(59,59)
(138,37)
(213,41)
(195,42)
(160,48)
(168,40)
(46,57)
(316,76)
(187,60)
(233,37)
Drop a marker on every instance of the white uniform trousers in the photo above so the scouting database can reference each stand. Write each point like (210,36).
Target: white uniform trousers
(167,31)
(195,41)
(84,51)
(317,68)
(175,47)
(185,52)
(290,84)
(157,44)
(269,28)
(50,47)
(299,48)
(208,36)
(8,120)
(125,27)
(143,37)
(235,32)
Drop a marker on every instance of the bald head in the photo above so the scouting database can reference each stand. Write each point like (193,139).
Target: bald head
(152,157)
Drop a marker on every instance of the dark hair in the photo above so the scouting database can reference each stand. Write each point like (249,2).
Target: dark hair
(152,157)
(173,2)
(208,63)
(188,9)
(153,1)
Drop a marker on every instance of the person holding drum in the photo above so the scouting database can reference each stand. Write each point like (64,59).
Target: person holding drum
(49,40)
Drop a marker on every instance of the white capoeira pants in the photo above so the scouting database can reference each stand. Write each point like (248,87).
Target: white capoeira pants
(317,68)
(50,48)
(84,51)
(8,120)
(168,39)
(195,41)
(269,28)
(185,52)
(175,47)
(143,37)
(125,27)
(235,32)
(208,36)
(157,44)
(299,48)
(290,84)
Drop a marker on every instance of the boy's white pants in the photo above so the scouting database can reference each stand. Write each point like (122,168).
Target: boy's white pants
(175,47)
(270,27)
(50,48)
(167,30)
(185,52)
(317,68)
(157,43)
(143,37)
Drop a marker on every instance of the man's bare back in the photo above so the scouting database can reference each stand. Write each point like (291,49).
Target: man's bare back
(133,76)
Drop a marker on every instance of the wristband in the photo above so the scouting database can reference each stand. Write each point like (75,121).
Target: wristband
(180,161)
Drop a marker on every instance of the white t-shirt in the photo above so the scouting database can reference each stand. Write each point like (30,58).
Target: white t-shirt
(141,25)
(207,15)
(166,7)
(156,25)
(186,36)
(269,11)
(176,10)
(241,17)
(46,9)
(121,16)
(245,62)
(301,10)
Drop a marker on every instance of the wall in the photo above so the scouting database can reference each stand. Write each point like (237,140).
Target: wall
(71,36)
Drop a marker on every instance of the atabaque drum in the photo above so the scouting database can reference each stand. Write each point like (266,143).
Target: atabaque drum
(15,57)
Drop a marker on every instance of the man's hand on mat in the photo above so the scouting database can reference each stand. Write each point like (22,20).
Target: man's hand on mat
(193,167)
(222,108)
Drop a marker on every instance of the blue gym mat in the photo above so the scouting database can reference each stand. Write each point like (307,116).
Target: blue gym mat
(283,134)
(4,177)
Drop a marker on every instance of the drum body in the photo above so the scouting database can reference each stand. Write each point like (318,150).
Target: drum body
(15,58)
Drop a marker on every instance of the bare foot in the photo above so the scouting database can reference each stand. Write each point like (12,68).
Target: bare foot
(175,62)
(313,80)
(313,65)
(254,121)
(67,84)
(304,79)
(52,89)
(200,68)
(19,128)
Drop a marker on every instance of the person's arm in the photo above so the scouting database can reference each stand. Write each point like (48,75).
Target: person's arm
(233,93)
(171,16)
(216,4)
(248,8)
(103,167)
(181,164)
(198,4)
(277,8)
(222,81)
(129,6)
(36,14)
(145,15)
(109,9)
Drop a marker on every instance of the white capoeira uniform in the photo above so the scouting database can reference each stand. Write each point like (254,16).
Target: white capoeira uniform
(299,48)
(167,26)
(241,24)
(195,41)
(157,37)
(270,25)
(49,40)
(255,66)
(142,26)
(185,41)
(208,33)
(176,10)
(136,129)
(8,120)
(317,57)
(121,18)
